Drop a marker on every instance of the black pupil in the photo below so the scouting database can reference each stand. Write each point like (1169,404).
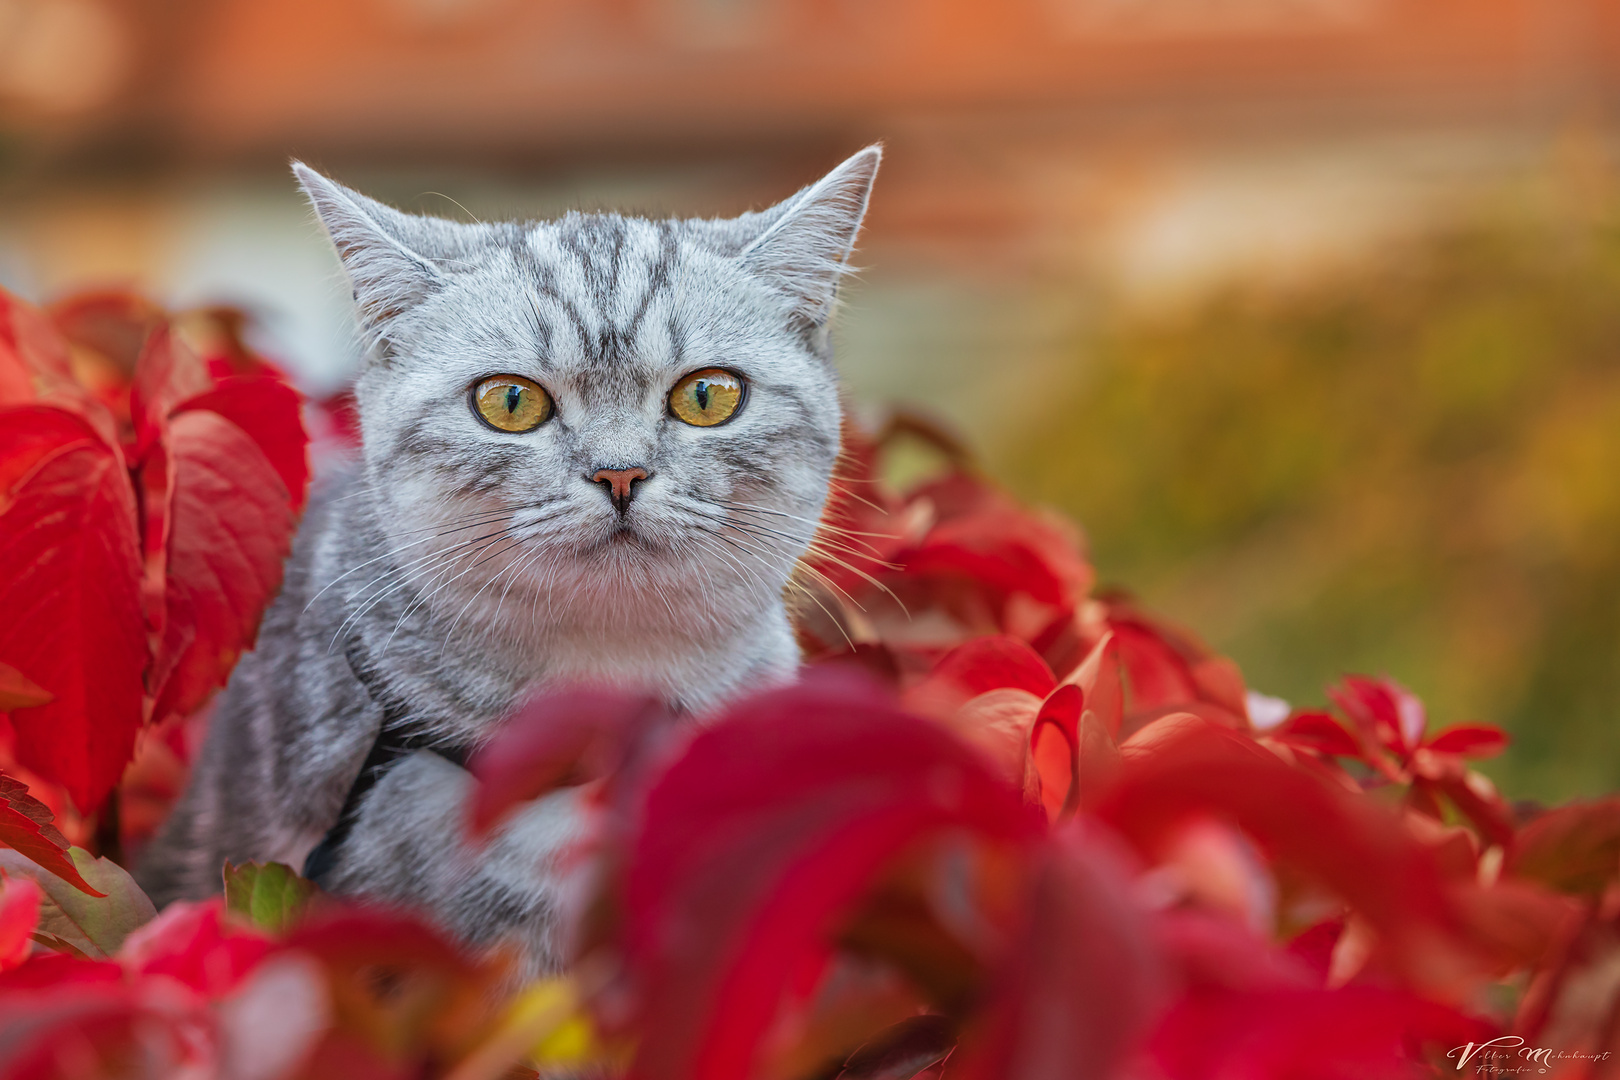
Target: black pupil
(702,393)
(514,395)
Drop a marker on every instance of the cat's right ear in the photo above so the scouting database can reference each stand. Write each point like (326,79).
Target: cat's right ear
(387,254)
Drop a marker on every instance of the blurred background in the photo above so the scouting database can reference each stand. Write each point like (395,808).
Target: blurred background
(1309,310)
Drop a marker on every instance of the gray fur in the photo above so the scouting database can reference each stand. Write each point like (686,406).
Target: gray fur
(454,569)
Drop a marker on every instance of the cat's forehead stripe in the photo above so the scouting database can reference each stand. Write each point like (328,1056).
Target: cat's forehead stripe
(596,278)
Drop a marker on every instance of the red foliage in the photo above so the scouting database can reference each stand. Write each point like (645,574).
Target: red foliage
(1005,828)
(146,505)
(25,826)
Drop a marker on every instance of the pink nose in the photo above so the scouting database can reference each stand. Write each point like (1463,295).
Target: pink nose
(620,484)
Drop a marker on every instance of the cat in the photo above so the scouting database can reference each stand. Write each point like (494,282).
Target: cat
(592,449)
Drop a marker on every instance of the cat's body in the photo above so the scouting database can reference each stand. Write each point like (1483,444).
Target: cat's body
(459,567)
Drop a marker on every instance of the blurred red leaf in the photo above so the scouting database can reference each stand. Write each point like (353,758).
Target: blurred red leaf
(1098,678)
(231,526)
(1298,1033)
(1387,713)
(1356,849)
(1005,548)
(49,969)
(993,662)
(19,914)
(760,837)
(1081,981)
(902,1051)
(1469,740)
(194,944)
(1476,799)
(559,739)
(101,1031)
(1318,731)
(1574,849)
(401,992)
(1159,675)
(67,538)
(18,691)
(35,368)
(113,322)
(1054,746)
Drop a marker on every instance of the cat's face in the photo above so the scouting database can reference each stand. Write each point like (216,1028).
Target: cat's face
(600,422)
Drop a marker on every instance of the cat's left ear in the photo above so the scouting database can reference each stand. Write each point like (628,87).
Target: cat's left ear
(806,249)
(393,259)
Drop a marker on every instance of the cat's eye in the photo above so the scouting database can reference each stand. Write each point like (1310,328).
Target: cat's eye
(511,403)
(708,397)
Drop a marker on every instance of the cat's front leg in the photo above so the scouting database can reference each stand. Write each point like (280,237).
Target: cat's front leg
(409,846)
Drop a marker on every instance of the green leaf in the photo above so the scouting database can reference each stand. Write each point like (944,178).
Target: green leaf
(92,925)
(270,895)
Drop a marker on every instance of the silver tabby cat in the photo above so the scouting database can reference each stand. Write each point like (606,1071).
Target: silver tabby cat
(592,449)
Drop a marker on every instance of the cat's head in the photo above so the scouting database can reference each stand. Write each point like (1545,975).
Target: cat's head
(612,420)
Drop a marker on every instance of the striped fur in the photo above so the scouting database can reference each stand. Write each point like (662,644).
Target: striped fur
(454,569)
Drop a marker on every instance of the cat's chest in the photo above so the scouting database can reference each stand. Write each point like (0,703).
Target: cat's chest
(458,689)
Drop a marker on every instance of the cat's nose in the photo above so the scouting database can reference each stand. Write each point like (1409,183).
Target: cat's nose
(620,484)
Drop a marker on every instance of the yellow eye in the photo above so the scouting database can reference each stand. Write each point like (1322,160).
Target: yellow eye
(708,397)
(511,403)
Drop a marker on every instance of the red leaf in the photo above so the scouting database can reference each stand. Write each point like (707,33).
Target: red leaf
(1477,799)
(1319,732)
(113,322)
(35,368)
(19,914)
(1469,740)
(1384,710)
(1098,678)
(98,1031)
(1003,552)
(990,663)
(45,970)
(154,479)
(1357,849)
(25,826)
(401,992)
(18,691)
(1314,945)
(269,411)
(1054,746)
(230,529)
(1159,675)
(1081,981)
(166,374)
(358,936)
(1357,1033)
(559,739)
(192,943)
(1220,681)
(1574,849)
(24,835)
(760,836)
(71,597)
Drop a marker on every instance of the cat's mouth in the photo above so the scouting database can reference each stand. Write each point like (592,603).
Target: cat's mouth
(626,535)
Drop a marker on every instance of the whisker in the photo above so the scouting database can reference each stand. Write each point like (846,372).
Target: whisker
(395,551)
(834,483)
(432,564)
(807,567)
(450,633)
(422,600)
(747,528)
(822,523)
